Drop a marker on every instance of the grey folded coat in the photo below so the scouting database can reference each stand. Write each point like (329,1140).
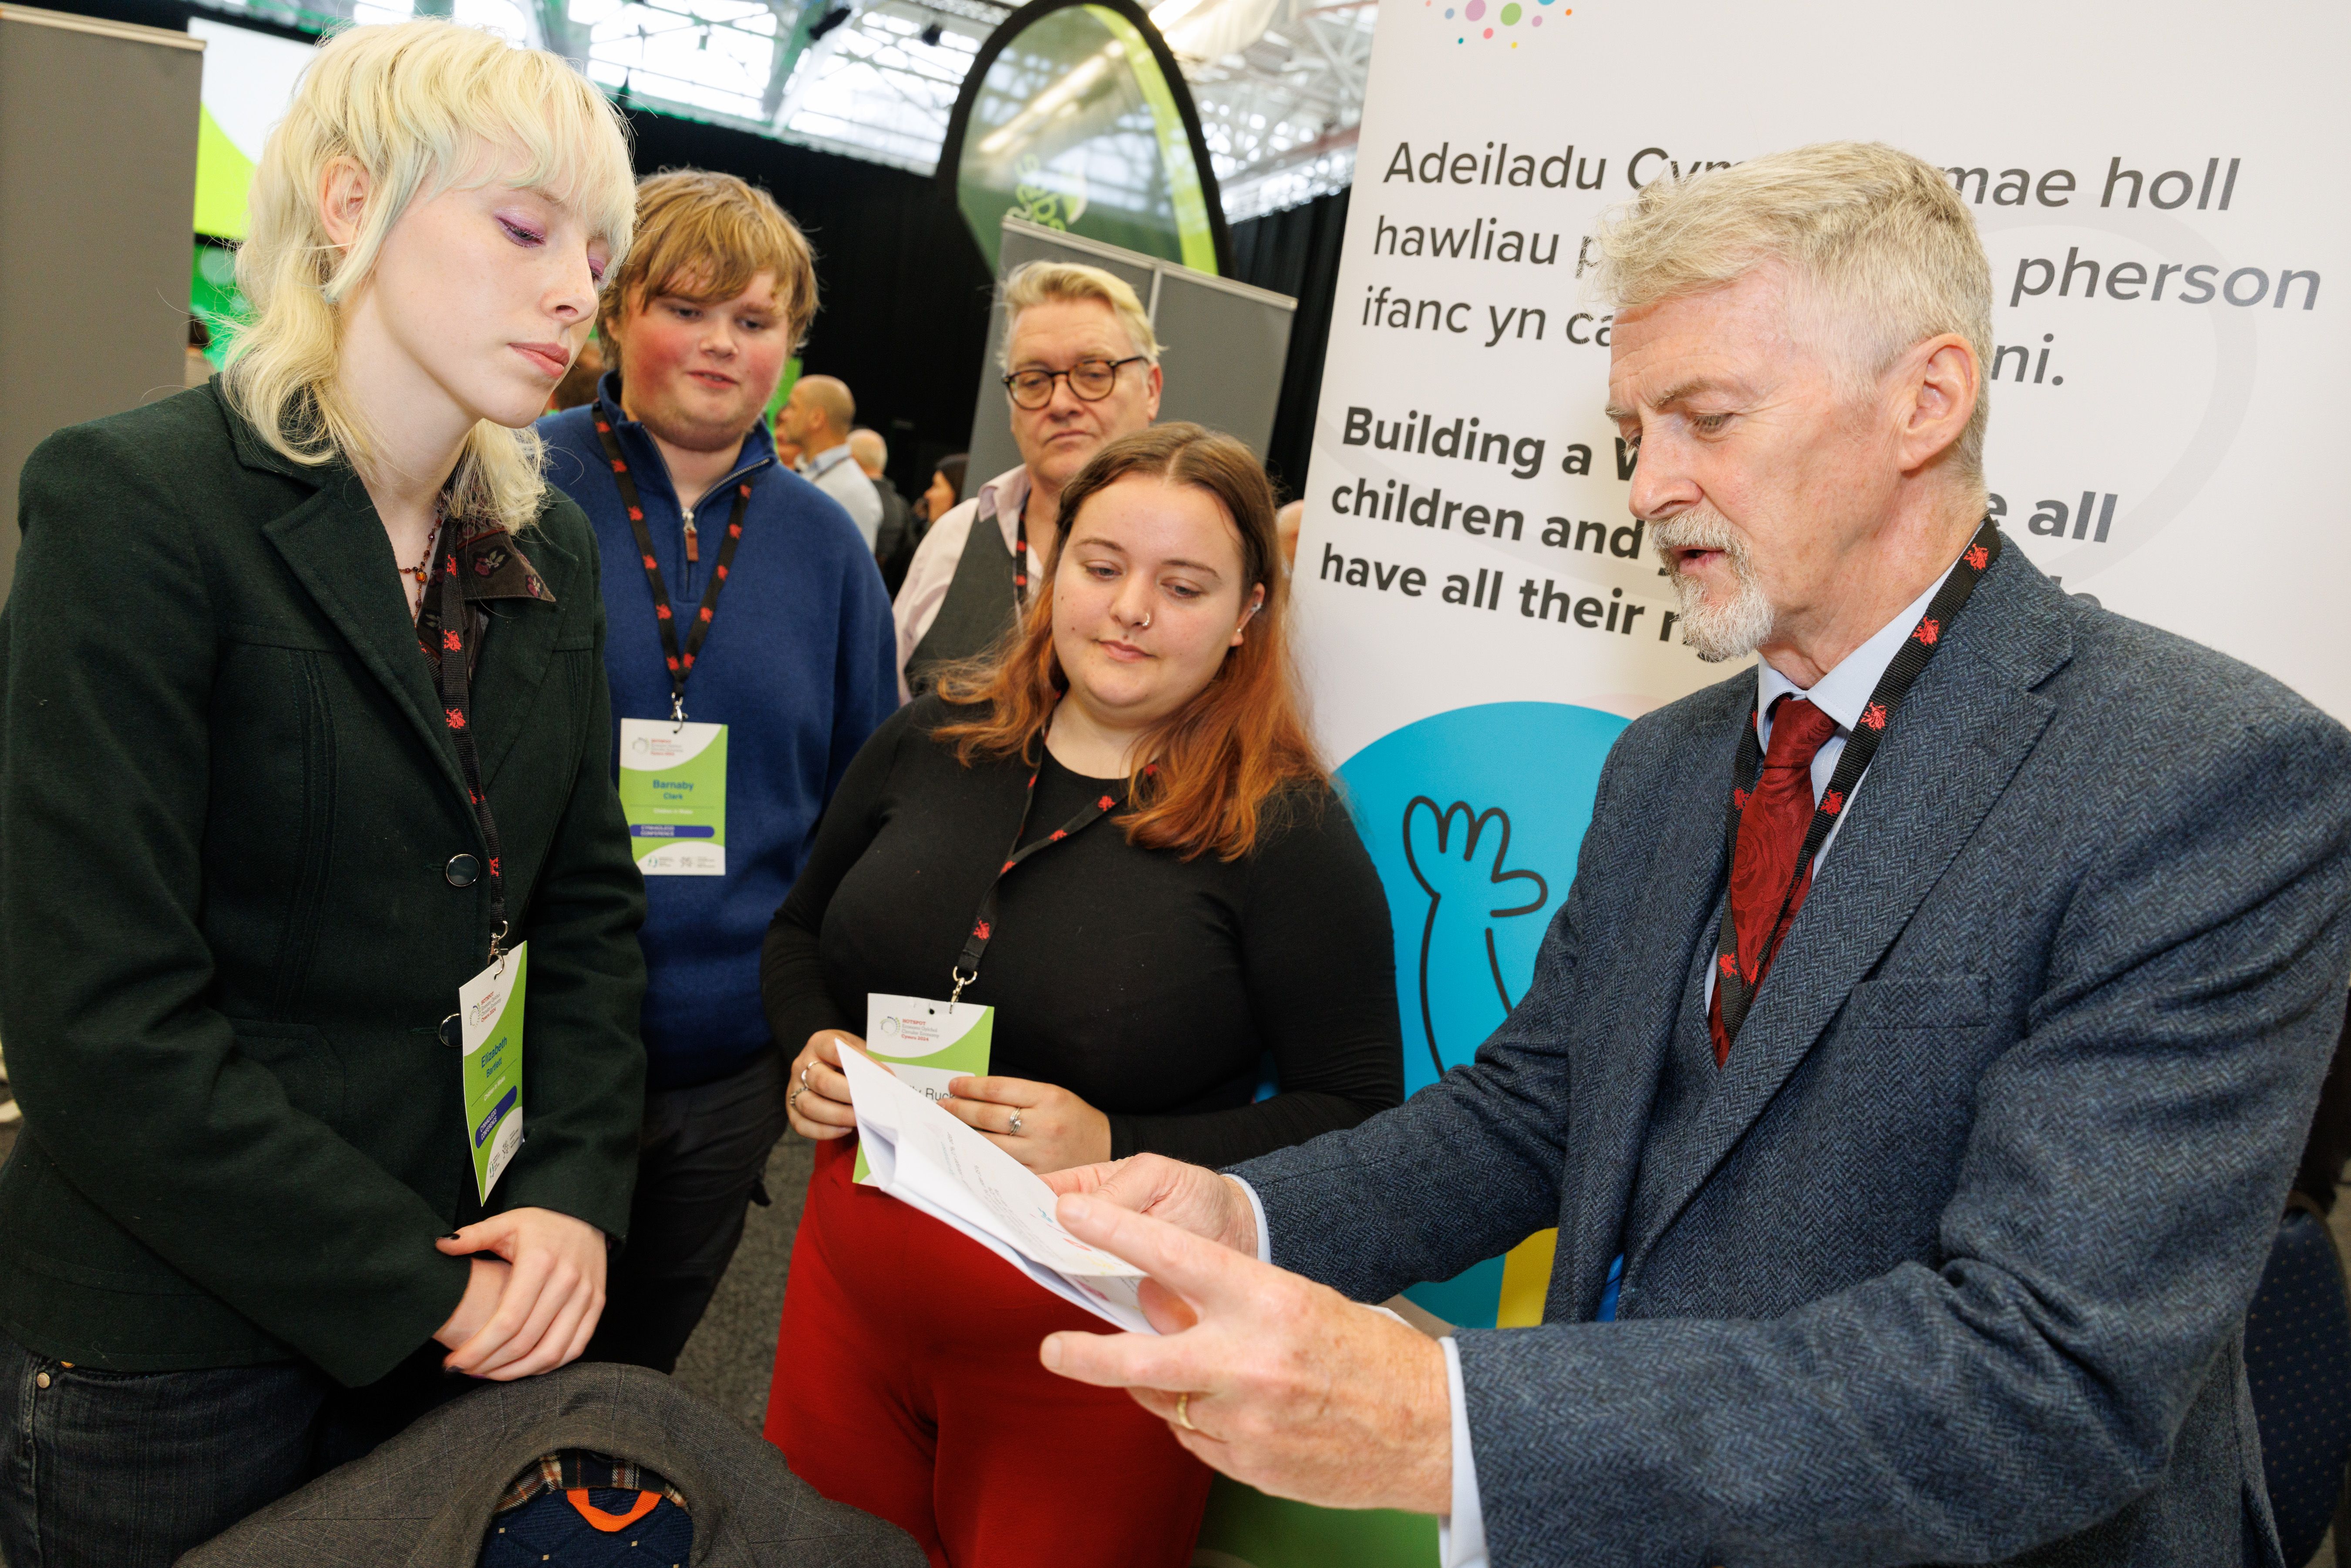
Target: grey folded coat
(426,1498)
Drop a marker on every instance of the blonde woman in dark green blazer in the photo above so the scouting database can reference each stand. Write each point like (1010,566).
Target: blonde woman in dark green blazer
(261,636)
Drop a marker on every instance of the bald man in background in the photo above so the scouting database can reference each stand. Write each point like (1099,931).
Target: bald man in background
(894,548)
(817,418)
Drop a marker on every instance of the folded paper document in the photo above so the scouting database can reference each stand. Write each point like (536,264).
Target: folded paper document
(928,1160)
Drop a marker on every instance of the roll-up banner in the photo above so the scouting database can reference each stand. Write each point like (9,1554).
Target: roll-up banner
(2157,187)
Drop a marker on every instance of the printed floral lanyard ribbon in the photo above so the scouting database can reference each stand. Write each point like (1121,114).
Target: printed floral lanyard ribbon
(983,924)
(1736,978)
(681,660)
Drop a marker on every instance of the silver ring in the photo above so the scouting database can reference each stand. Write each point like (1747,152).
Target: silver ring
(792,1102)
(1016,1123)
(804,1070)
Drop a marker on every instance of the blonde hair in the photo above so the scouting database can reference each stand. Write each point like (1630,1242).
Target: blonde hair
(703,236)
(1035,282)
(413,105)
(1879,238)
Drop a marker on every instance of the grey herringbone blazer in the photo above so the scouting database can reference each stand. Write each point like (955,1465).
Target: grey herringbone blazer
(424,1499)
(1955,1265)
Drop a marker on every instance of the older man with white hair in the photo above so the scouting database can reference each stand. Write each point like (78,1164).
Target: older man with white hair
(1081,370)
(1917,1067)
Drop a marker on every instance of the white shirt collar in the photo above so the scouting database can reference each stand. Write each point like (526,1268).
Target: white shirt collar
(1002,498)
(825,461)
(1845,690)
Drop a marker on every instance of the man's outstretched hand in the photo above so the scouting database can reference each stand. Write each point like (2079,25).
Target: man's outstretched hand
(1190,1197)
(1293,1388)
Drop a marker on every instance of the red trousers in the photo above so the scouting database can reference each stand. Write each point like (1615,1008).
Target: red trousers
(907,1384)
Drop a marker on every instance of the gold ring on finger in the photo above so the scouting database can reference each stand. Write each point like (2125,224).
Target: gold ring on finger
(1184,1411)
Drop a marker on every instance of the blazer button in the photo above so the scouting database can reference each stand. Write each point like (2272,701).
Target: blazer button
(461,870)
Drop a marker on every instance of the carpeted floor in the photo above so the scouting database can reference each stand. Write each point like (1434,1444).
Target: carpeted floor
(731,1355)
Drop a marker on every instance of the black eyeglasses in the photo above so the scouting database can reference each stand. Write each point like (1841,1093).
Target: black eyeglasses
(1090,381)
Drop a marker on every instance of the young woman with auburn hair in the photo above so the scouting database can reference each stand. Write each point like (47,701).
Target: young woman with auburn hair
(1196,900)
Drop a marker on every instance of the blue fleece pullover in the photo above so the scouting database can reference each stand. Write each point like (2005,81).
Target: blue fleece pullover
(800,666)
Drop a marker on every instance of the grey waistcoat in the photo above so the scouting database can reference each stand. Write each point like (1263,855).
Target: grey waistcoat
(977,611)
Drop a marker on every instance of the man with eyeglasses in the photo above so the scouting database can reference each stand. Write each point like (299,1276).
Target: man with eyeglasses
(1081,369)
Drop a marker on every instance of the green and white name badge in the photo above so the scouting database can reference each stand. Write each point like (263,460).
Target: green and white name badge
(489,1006)
(673,794)
(927,1044)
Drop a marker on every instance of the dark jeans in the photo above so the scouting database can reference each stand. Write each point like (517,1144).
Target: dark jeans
(698,1166)
(129,1470)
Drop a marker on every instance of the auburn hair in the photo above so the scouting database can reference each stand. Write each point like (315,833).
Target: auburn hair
(1205,778)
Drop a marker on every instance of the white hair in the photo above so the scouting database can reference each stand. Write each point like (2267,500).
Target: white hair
(1877,241)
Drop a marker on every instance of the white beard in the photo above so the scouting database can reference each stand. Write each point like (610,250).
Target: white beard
(1733,628)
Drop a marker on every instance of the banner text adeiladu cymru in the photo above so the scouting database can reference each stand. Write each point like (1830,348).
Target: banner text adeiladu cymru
(1519,240)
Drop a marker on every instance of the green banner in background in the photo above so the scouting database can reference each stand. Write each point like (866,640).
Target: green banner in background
(1075,127)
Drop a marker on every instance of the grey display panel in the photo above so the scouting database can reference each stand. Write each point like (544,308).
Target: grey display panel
(1223,344)
(97,179)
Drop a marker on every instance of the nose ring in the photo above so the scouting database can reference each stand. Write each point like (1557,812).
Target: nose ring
(1142,623)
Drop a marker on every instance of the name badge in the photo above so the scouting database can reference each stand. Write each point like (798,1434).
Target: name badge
(489,1011)
(927,1044)
(673,794)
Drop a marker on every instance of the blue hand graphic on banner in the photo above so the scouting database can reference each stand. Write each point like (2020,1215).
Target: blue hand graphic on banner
(1456,854)
(1473,819)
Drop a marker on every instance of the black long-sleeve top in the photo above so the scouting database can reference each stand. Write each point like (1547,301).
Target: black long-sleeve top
(1149,985)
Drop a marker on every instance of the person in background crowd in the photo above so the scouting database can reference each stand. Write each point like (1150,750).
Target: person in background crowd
(578,384)
(817,419)
(946,490)
(197,368)
(787,451)
(1081,369)
(1916,1068)
(297,679)
(1288,521)
(761,613)
(1142,966)
(901,529)
(871,455)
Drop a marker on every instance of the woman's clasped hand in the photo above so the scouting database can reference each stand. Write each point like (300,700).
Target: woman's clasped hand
(1042,1125)
(531,1306)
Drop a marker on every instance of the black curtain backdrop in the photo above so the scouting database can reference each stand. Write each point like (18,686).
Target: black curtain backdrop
(902,293)
(1296,252)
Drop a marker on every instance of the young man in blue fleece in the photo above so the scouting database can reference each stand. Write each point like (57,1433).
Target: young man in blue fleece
(750,653)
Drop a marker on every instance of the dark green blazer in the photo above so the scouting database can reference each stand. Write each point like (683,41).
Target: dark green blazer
(227,930)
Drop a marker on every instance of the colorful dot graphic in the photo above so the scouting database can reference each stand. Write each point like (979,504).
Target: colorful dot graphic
(1505,13)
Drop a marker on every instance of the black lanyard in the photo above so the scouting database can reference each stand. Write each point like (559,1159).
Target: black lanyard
(1735,979)
(983,924)
(681,662)
(1020,558)
(457,711)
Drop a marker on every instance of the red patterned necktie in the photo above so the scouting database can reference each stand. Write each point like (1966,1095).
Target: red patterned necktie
(1772,825)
